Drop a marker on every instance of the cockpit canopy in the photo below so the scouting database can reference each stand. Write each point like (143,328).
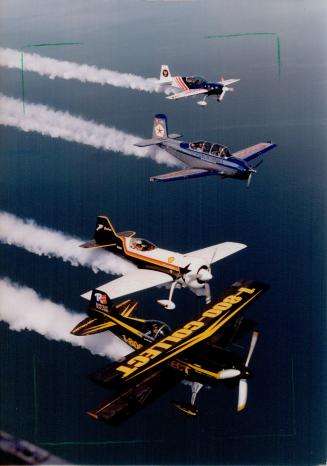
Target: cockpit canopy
(216,150)
(141,244)
(195,80)
(155,329)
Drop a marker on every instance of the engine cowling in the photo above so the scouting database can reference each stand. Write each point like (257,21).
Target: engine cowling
(199,273)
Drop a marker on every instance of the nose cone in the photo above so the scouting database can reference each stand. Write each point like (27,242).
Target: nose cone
(204,275)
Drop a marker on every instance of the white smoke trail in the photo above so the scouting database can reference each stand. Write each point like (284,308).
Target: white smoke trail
(45,242)
(23,309)
(57,124)
(52,68)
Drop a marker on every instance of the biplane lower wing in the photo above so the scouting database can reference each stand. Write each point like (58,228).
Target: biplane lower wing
(128,401)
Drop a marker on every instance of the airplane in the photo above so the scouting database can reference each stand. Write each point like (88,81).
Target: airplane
(200,351)
(203,158)
(195,85)
(157,266)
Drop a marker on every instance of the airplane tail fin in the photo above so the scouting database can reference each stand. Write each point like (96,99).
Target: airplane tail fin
(98,320)
(160,127)
(159,132)
(165,75)
(104,235)
(99,311)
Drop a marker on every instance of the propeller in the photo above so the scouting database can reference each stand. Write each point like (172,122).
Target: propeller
(243,384)
(252,170)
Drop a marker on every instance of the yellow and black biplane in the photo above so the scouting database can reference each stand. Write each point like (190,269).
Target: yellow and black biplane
(199,351)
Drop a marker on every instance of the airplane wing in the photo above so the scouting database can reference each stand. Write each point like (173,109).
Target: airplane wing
(128,401)
(137,280)
(227,82)
(252,152)
(183,174)
(180,95)
(217,252)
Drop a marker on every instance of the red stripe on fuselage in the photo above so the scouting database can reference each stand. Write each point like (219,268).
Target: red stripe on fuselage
(182,83)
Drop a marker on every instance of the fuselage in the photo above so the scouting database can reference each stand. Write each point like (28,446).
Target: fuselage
(145,255)
(204,157)
(196,82)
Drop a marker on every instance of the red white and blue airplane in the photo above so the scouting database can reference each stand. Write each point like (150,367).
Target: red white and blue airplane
(195,85)
(204,158)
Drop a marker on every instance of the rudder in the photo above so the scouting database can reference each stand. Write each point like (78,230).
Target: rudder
(165,75)
(105,234)
(160,127)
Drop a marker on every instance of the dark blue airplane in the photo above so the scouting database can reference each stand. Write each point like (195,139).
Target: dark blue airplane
(195,85)
(204,158)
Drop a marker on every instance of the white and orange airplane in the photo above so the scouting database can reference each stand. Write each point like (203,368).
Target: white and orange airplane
(157,266)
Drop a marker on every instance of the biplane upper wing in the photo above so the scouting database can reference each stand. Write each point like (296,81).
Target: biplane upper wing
(189,93)
(252,152)
(137,280)
(141,363)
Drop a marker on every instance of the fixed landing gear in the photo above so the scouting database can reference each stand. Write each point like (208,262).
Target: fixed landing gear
(203,103)
(168,303)
(189,408)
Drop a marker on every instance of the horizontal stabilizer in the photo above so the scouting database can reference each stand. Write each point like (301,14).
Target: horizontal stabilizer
(174,136)
(90,244)
(90,326)
(183,174)
(148,142)
(217,252)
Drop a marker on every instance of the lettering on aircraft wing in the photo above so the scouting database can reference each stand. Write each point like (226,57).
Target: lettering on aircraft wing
(190,334)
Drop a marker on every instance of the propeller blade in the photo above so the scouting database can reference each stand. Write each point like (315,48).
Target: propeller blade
(207,293)
(225,374)
(222,95)
(252,346)
(249,180)
(242,394)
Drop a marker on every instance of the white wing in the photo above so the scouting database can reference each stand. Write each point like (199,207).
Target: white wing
(217,252)
(136,280)
(187,93)
(227,82)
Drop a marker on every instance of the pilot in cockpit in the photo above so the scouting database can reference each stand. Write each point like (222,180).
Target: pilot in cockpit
(157,330)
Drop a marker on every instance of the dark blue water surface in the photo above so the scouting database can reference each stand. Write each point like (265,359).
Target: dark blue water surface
(44,388)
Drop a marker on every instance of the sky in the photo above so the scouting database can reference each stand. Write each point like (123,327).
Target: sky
(68,122)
